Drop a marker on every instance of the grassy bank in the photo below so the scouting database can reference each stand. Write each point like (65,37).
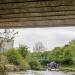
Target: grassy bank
(67,68)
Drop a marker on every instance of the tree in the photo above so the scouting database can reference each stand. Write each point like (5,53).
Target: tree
(35,65)
(6,36)
(14,57)
(23,50)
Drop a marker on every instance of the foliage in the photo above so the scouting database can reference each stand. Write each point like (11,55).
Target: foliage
(24,65)
(35,65)
(14,57)
(21,59)
(3,62)
(64,55)
(23,50)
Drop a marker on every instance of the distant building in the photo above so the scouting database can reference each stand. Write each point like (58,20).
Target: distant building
(5,44)
(39,47)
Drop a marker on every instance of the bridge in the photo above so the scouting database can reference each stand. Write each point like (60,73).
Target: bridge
(37,13)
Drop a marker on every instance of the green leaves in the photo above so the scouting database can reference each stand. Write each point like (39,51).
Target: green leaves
(17,59)
(14,57)
(35,65)
(23,50)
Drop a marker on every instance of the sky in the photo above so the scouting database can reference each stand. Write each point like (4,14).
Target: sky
(50,37)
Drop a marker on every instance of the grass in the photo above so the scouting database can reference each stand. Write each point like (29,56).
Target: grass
(67,68)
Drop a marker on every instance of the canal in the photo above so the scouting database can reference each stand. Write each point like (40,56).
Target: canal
(42,73)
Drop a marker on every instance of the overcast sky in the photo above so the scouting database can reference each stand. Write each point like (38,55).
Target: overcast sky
(50,37)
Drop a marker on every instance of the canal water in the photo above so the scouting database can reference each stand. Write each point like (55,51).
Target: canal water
(41,73)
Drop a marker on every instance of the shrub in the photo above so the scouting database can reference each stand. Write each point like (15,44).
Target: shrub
(24,65)
(14,57)
(35,65)
(23,50)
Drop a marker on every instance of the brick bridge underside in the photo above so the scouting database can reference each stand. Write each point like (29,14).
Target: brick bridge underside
(37,13)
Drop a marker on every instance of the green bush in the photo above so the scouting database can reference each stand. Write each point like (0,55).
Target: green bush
(24,65)
(3,62)
(14,57)
(23,50)
(2,71)
(35,65)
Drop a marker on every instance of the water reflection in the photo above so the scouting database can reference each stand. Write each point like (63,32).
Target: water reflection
(40,73)
(50,73)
